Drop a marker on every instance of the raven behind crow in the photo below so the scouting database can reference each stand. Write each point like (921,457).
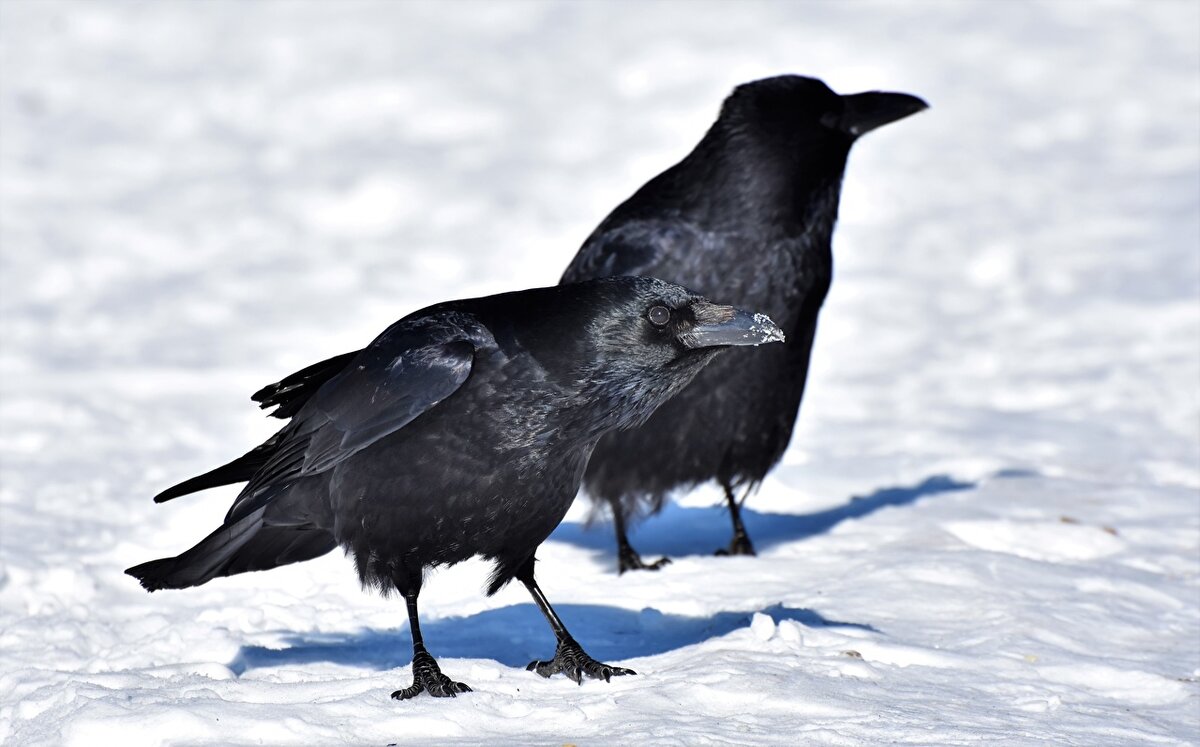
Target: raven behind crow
(747,216)
(464,429)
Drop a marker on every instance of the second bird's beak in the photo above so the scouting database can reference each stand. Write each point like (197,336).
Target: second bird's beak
(864,112)
(726,325)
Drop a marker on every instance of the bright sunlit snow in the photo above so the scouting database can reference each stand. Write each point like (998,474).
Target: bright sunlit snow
(987,529)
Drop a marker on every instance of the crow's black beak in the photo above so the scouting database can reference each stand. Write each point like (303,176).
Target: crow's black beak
(725,325)
(865,111)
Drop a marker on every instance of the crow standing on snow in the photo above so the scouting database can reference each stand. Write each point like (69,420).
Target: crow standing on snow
(747,216)
(462,430)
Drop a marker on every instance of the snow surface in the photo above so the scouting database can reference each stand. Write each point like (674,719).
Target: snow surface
(987,528)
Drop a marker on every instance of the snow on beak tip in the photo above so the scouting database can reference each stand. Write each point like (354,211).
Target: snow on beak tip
(738,328)
(766,329)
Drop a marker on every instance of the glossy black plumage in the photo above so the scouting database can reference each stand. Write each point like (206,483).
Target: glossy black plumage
(463,430)
(747,216)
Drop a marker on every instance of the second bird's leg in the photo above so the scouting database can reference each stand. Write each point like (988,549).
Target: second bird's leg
(427,675)
(740,544)
(628,559)
(569,656)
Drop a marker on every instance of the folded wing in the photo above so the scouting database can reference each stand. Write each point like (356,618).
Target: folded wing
(405,372)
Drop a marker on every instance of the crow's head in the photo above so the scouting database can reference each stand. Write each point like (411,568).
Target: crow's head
(645,339)
(796,113)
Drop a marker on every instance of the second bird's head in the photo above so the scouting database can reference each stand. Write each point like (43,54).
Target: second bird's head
(636,341)
(802,115)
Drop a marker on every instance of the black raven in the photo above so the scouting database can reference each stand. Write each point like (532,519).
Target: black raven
(747,217)
(464,429)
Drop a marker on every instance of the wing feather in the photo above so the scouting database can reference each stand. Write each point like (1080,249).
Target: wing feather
(404,373)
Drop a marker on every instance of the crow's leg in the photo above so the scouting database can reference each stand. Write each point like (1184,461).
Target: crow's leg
(569,657)
(427,676)
(740,544)
(628,559)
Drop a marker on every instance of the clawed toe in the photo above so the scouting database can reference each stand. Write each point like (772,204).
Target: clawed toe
(571,660)
(428,678)
(447,688)
(608,671)
(633,562)
(441,687)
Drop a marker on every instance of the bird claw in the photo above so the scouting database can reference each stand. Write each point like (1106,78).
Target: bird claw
(428,677)
(629,560)
(573,661)
(739,545)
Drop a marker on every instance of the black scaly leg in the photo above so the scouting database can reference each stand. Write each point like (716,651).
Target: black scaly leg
(427,676)
(740,544)
(628,559)
(569,657)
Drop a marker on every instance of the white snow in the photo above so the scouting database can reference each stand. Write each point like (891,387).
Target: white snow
(987,529)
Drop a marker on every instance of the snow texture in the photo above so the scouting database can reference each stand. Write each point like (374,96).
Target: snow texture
(987,528)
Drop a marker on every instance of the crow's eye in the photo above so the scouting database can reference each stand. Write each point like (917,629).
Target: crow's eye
(659,315)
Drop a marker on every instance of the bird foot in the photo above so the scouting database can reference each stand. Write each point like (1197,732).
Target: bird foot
(629,560)
(573,661)
(739,545)
(428,677)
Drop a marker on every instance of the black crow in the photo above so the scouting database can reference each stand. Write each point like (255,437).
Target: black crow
(463,430)
(747,217)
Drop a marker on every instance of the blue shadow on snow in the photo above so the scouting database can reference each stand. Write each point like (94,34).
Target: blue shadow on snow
(679,531)
(517,634)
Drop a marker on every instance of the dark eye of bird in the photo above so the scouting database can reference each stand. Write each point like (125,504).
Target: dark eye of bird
(659,315)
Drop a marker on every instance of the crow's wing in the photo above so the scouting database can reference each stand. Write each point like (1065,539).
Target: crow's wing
(658,248)
(404,373)
(290,393)
(287,396)
(384,390)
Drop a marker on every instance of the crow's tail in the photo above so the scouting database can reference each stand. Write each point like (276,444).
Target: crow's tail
(247,544)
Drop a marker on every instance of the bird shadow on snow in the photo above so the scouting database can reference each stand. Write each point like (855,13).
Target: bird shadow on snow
(517,634)
(679,531)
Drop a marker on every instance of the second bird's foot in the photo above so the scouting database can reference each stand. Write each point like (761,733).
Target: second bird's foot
(573,661)
(739,545)
(631,561)
(428,677)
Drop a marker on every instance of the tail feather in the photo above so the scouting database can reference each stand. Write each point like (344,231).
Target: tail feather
(244,545)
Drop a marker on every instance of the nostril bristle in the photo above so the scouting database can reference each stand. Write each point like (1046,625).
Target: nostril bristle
(707,312)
